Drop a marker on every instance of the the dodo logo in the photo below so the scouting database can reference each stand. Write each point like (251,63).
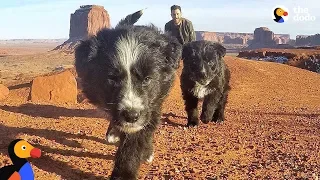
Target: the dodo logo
(19,150)
(280,14)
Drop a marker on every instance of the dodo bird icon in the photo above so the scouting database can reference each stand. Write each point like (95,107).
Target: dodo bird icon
(19,150)
(278,14)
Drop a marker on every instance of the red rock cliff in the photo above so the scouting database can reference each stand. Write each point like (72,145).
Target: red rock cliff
(84,22)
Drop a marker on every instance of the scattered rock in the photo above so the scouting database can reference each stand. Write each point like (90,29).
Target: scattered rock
(4,92)
(56,88)
(294,57)
(194,170)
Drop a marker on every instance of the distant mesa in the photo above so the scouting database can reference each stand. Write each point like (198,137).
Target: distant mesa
(234,42)
(262,37)
(312,40)
(265,38)
(85,22)
(266,47)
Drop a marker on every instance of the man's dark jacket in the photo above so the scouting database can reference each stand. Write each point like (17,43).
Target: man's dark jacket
(185,30)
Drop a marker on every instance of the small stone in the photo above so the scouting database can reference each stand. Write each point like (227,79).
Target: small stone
(176,170)
(194,171)
(171,173)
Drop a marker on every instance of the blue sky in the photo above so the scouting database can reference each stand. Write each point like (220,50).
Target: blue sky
(49,19)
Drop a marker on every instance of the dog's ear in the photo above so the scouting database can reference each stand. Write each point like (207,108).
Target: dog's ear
(188,52)
(85,52)
(130,19)
(213,49)
(221,50)
(173,51)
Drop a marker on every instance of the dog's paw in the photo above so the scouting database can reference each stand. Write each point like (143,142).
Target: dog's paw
(192,123)
(218,117)
(219,120)
(204,119)
(112,138)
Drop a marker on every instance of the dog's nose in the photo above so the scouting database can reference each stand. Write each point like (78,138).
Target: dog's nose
(130,115)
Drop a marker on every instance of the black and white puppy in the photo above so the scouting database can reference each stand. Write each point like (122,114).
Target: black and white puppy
(204,76)
(129,70)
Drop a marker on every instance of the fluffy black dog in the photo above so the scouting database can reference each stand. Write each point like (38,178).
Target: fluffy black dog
(128,70)
(204,75)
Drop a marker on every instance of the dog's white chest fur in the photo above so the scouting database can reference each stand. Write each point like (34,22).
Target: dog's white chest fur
(200,90)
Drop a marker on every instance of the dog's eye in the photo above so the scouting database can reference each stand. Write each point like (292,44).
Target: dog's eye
(112,79)
(146,81)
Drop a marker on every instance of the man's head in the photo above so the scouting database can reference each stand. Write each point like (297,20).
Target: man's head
(176,13)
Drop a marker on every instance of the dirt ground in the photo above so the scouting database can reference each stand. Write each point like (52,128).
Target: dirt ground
(19,63)
(271,129)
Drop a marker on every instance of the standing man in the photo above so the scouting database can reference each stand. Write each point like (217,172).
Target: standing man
(180,27)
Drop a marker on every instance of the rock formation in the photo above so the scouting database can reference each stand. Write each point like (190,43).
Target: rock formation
(84,22)
(59,87)
(4,92)
(236,40)
(224,37)
(209,36)
(264,38)
(278,40)
(232,38)
(313,40)
(282,38)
